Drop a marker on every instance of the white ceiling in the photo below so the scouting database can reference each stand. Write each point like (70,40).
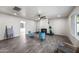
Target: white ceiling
(31,12)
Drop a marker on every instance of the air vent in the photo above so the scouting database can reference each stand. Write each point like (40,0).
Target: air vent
(16,8)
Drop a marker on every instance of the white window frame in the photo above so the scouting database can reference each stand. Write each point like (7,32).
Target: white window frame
(74,19)
(76,25)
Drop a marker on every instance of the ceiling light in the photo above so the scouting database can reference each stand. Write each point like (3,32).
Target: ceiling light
(15,13)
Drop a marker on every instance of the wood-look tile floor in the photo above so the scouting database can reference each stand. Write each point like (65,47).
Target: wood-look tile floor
(32,45)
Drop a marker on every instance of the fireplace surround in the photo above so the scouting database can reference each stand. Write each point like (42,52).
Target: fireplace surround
(44,30)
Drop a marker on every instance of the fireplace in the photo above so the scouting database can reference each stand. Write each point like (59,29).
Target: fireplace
(44,30)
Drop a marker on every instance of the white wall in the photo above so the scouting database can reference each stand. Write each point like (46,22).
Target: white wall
(73,38)
(30,26)
(15,22)
(59,26)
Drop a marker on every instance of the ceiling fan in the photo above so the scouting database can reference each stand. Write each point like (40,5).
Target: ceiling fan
(40,17)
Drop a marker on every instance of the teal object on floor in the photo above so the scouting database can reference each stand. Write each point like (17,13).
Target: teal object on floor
(31,34)
(42,36)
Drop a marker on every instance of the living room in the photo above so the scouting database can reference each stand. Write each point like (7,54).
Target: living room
(21,28)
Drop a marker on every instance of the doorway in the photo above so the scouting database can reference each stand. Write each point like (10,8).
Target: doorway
(22,31)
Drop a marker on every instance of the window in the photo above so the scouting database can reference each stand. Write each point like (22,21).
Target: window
(77,24)
(22,25)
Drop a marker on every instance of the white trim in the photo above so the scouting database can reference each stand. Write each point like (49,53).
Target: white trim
(75,25)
